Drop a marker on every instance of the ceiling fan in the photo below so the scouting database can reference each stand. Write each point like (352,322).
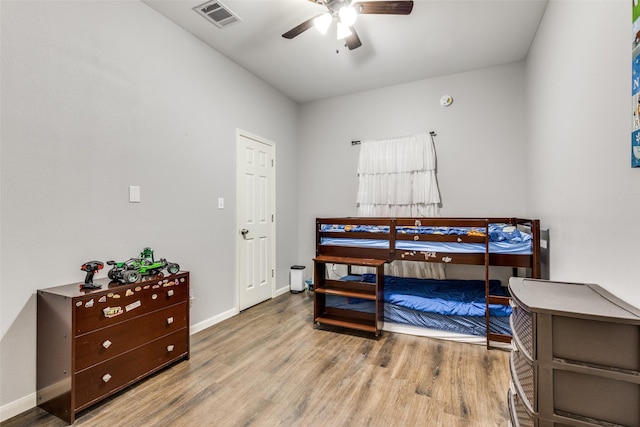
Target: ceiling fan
(344,13)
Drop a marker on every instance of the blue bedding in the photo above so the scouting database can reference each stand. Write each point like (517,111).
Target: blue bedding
(448,297)
(503,239)
(468,325)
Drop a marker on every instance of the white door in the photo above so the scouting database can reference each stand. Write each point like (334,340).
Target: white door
(255,210)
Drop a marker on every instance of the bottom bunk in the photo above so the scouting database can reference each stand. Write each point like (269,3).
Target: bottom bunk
(448,309)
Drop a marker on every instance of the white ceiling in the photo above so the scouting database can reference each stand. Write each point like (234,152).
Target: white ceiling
(437,38)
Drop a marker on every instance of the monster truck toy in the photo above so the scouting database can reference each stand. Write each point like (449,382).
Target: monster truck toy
(130,271)
(125,271)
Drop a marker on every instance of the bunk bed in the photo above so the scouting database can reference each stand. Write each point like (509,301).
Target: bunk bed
(365,302)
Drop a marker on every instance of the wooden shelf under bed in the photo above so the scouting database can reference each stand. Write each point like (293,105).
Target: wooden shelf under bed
(368,322)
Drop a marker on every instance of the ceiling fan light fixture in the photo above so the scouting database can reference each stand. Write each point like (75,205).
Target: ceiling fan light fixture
(347,15)
(343,30)
(323,22)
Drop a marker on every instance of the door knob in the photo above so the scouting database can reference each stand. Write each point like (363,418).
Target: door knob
(244,233)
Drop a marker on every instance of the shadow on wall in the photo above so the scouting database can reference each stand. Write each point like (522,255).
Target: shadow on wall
(545,253)
(18,361)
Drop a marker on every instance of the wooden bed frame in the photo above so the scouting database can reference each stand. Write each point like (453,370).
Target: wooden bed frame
(352,255)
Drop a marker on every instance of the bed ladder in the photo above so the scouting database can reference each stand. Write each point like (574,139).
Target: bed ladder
(492,299)
(494,336)
(353,319)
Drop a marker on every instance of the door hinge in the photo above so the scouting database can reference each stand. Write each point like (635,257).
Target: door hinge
(272,273)
(271,217)
(271,162)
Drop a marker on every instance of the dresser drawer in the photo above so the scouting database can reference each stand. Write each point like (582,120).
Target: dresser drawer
(523,375)
(520,415)
(126,302)
(603,343)
(521,322)
(601,398)
(105,378)
(109,342)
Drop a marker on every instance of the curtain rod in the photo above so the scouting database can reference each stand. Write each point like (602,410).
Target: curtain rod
(432,133)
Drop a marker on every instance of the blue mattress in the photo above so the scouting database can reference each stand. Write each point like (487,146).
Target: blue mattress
(523,248)
(448,297)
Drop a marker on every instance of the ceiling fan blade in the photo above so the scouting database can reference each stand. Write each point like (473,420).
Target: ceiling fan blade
(352,41)
(399,7)
(300,28)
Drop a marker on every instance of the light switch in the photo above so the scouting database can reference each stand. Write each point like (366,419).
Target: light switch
(220,202)
(134,194)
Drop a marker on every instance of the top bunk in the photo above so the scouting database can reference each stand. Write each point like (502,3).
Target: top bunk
(507,242)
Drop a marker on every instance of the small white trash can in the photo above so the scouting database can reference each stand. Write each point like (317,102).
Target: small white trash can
(296,278)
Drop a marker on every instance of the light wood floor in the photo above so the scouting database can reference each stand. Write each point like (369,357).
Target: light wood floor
(268,366)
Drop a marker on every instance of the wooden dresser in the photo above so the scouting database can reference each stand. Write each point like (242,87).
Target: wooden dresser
(93,343)
(576,356)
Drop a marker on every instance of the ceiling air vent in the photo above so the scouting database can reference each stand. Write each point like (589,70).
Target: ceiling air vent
(217,13)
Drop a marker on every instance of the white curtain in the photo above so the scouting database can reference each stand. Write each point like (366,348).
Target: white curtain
(397,177)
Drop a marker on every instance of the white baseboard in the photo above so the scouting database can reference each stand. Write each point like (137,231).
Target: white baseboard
(201,326)
(282,291)
(16,407)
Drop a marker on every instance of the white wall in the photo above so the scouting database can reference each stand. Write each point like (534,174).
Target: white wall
(479,144)
(100,95)
(97,96)
(578,96)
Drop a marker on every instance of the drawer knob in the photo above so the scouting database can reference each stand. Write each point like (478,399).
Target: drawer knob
(170,292)
(106,344)
(170,348)
(106,378)
(169,320)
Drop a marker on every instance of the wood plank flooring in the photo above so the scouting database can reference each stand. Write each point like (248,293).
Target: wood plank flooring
(269,366)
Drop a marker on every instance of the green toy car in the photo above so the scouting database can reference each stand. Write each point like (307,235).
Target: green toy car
(130,271)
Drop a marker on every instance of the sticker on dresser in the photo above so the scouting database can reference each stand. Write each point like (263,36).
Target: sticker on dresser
(112,311)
